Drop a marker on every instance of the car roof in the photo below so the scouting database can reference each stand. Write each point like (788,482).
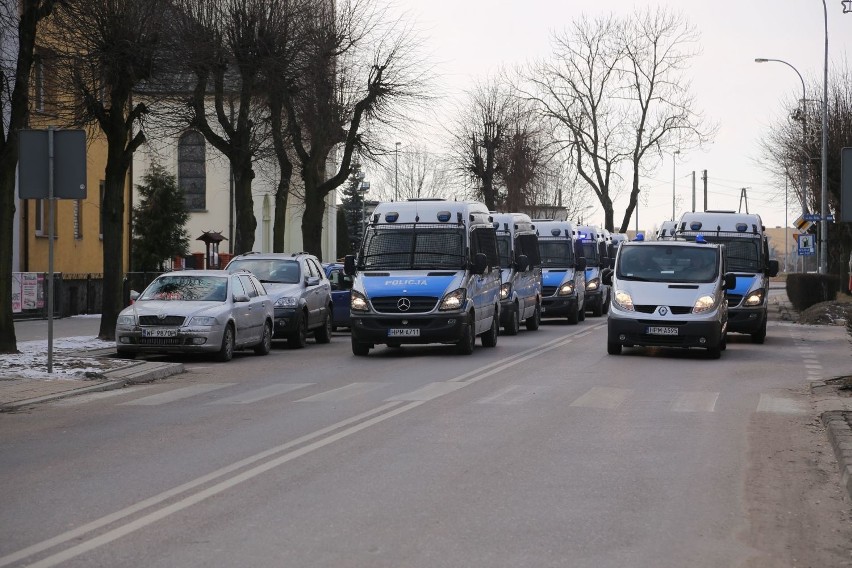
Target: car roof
(273,255)
(205,272)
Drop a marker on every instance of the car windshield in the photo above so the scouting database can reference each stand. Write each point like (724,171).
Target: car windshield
(555,252)
(660,263)
(269,270)
(413,247)
(504,245)
(187,289)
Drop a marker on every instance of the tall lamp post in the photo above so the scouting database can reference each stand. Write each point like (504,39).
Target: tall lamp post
(674,169)
(823,202)
(396,173)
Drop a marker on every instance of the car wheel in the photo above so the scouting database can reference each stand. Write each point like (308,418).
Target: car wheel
(581,315)
(299,338)
(513,326)
(597,309)
(723,344)
(226,351)
(533,322)
(574,317)
(759,336)
(489,338)
(360,349)
(466,343)
(265,345)
(613,348)
(323,334)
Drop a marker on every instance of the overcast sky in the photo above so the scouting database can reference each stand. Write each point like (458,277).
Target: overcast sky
(470,39)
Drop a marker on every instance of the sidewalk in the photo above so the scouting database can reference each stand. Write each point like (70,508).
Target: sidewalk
(17,392)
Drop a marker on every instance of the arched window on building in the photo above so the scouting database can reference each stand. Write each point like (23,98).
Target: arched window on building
(192,173)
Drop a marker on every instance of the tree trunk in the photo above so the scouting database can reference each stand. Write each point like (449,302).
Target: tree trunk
(314,211)
(246,223)
(279,226)
(8,159)
(113,237)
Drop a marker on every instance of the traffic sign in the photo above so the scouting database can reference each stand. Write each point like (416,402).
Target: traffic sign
(806,245)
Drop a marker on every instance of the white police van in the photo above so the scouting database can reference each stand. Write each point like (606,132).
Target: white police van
(747,252)
(669,293)
(563,277)
(594,242)
(427,272)
(520,271)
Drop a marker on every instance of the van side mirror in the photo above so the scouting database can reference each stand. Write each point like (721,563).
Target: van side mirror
(480,263)
(349,264)
(522,264)
(772,269)
(580,264)
(606,276)
(730,281)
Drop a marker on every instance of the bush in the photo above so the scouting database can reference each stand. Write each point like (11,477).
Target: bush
(805,290)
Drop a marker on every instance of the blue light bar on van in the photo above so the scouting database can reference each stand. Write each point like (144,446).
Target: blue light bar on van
(391,217)
(555,232)
(639,237)
(582,236)
(695,226)
(742,227)
(444,216)
(699,238)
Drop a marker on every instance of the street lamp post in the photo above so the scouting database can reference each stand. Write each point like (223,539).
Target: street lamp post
(396,173)
(674,169)
(823,202)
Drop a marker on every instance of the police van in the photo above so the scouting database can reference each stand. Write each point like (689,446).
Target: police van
(747,252)
(669,293)
(563,277)
(520,271)
(594,243)
(428,271)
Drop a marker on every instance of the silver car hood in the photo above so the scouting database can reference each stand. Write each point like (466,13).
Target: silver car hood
(174,308)
(277,290)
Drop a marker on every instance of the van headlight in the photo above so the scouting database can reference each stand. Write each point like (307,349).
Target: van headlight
(593,284)
(754,298)
(623,300)
(566,289)
(454,300)
(505,290)
(358,302)
(129,320)
(703,304)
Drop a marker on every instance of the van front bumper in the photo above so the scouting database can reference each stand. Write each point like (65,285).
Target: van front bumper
(746,320)
(432,328)
(635,331)
(558,306)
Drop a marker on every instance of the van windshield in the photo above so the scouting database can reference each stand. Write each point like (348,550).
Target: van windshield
(662,263)
(504,247)
(555,252)
(590,251)
(742,254)
(414,247)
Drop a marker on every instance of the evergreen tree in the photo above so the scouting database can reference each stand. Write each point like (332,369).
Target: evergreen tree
(159,231)
(353,206)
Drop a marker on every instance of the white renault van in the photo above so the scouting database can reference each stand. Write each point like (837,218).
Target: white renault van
(669,293)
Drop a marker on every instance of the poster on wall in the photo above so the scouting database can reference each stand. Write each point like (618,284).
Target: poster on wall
(40,293)
(17,305)
(29,290)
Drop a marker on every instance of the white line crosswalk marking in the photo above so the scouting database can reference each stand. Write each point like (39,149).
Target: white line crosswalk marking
(695,401)
(603,397)
(515,394)
(780,405)
(177,394)
(342,393)
(257,395)
(430,391)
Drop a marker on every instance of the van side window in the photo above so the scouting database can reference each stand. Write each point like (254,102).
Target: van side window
(528,245)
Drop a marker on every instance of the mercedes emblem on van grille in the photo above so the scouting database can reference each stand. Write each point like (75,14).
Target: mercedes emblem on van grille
(403,304)
(663,310)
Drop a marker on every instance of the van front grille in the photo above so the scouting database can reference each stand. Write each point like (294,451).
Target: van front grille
(391,304)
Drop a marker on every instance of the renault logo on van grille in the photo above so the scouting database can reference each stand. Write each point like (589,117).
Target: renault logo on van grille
(663,310)
(403,304)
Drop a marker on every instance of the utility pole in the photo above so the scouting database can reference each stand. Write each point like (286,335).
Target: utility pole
(674,186)
(693,191)
(743,197)
(396,173)
(704,179)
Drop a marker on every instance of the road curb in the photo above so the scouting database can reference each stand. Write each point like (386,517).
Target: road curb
(837,423)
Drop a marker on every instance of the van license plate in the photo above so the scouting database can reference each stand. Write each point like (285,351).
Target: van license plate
(661,331)
(159,332)
(404,332)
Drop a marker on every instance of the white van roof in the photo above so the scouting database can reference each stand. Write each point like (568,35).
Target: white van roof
(512,222)
(430,211)
(725,221)
(551,228)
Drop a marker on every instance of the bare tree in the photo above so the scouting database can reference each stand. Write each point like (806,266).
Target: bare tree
(19,23)
(106,48)
(616,90)
(360,69)
(413,173)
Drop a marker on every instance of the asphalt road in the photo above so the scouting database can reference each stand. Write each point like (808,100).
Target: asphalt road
(544,451)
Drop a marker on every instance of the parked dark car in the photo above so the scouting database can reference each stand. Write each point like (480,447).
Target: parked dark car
(341,287)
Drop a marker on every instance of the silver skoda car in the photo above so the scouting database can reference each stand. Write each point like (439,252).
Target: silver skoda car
(197,311)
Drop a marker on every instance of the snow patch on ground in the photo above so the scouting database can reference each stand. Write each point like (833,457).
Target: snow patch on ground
(69,360)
